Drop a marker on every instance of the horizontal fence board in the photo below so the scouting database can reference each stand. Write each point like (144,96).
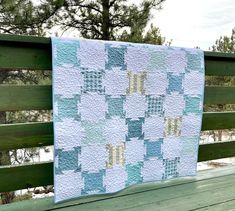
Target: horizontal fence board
(30,52)
(17,136)
(218,120)
(219,64)
(24,39)
(42,174)
(219,95)
(216,151)
(21,177)
(27,135)
(31,57)
(220,68)
(34,97)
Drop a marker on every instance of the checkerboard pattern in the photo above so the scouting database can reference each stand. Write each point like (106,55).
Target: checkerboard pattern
(155,105)
(92,81)
(123,114)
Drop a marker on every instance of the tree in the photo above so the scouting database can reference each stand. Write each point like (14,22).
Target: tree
(225,44)
(19,17)
(101,19)
(152,36)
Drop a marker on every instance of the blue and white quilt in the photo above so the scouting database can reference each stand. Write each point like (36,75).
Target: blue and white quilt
(123,114)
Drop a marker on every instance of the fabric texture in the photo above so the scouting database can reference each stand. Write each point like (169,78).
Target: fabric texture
(123,114)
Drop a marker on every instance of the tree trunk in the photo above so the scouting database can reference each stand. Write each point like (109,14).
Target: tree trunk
(220,133)
(106,20)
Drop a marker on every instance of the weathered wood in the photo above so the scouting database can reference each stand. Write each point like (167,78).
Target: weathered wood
(35,97)
(226,205)
(207,188)
(216,151)
(16,136)
(21,177)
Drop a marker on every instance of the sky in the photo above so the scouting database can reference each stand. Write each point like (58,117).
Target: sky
(191,23)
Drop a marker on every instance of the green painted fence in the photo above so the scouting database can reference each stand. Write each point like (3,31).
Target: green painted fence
(34,53)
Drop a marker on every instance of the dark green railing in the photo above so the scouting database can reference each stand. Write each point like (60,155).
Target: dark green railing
(34,53)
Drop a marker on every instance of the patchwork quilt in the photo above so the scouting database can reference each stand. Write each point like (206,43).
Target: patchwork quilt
(123,114)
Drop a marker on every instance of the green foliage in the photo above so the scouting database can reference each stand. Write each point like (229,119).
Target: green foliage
(19,17)
(152,36)
(101,19)
(225,44)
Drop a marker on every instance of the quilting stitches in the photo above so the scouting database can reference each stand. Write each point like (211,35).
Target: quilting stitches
(136,83)
(93,182)
(157,61)
(153,149)
(115,155)
(68,160)
(170,168)
(115,106)
(93,132)
(189,146)
(194,62)
(155,105)
(135,128)
(193,104)
(172,126)
(93,82)
(134,173)
(66,108)
(175,83)
(66,53)
(116,57)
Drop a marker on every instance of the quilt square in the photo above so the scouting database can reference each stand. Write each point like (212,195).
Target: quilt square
(92,82)
(134,174)
(66,108)
(66,53)
(93,182)
(115,106)
(153,149)
(171,170)
(115,57)
(67,160)
(155,105)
